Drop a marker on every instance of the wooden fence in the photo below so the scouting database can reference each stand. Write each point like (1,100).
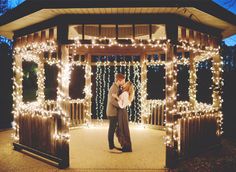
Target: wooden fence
(50,105)
(197,133)
(76,111)
(157,115)
(157,111)
(37,134)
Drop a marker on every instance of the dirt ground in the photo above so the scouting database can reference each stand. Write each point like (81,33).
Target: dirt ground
(221,160)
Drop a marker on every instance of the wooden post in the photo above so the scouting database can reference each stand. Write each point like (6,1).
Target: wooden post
(65,62)
(19,78)
(88,82)
(144,106)
(205,38)
(36,38)
(202,42)
(216,81)
(171,95)
(217,89)
(198,38)
(17,88)
(62,127)
(191,35)
(43,36)
(51,34)
(192,81)
(40,80)
(183,33)
(29,39)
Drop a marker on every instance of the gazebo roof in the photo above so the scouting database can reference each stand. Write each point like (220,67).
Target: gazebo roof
(203,12)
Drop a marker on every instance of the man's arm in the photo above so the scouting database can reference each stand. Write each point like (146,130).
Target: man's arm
(112,99)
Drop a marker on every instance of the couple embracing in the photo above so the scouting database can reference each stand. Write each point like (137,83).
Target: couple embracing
(120,95)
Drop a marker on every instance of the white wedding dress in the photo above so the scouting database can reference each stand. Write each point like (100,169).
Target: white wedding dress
(122,131)
(124,100)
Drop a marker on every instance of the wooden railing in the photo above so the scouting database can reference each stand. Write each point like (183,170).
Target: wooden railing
(50,105)
(38,133)
(197,129)
(157,111)
(197,132)
(76,111)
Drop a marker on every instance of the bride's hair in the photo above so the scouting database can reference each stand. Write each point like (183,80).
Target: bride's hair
(129,87)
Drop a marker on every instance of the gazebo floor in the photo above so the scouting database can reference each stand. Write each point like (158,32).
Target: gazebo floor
(89,149)
(89,153)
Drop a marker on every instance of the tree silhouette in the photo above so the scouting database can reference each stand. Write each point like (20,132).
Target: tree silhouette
(6,5)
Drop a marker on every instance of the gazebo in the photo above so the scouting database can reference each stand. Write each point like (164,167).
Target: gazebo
(65,34)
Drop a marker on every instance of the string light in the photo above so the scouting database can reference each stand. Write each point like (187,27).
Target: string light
(100,92)
(108,42)
(32,52)
(62,136)
(96,96)
(135,86)
(103,86)
(138,99)
(88,92)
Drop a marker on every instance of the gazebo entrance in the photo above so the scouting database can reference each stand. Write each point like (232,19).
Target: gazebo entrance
(102,64)
(103,77)
(90,139)
(99,64)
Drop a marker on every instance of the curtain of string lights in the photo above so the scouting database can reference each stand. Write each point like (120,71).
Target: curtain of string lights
(104,76)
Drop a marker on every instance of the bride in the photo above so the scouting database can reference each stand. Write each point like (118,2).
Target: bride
(122,131)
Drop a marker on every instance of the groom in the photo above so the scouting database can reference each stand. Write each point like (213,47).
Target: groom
(112,110)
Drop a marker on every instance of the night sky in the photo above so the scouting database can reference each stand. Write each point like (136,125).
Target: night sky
(228,4)
(231,6)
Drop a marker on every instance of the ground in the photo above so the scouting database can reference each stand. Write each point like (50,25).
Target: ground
(220,160)
(89,152)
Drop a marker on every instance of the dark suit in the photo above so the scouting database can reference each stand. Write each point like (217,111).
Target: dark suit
(112,110)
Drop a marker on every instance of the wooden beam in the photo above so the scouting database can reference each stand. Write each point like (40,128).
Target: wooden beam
(143,87)
(88,81)
(37,27)
(65,60)
(19,147)
(217,74)
(172,32)
(150,31)
(9,35)
(62,34)
(62,126)
(29,7)
(116,50)
(40,80)
(119,19)
(19,78)
(171,93)
(192,81)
